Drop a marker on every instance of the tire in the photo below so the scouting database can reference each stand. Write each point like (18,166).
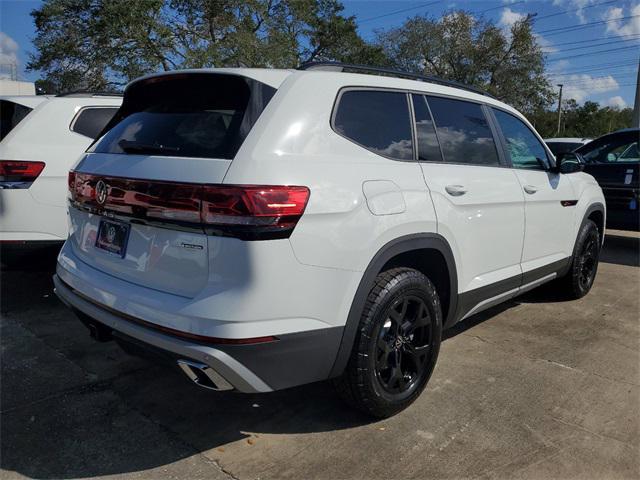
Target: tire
(396,345)
(584,263)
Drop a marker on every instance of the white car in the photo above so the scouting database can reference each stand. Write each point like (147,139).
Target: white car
(269,228)
(40,139)
(558,146)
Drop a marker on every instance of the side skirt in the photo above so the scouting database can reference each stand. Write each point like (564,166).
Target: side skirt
(475,301)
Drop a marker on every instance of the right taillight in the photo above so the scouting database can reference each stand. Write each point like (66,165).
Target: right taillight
(18,173)
(253,212)
(248,212)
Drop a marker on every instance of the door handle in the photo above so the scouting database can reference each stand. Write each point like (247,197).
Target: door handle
(530,189)
(455,190)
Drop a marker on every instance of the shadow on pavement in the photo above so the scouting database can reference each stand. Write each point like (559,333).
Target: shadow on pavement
(90,423)
(621,250)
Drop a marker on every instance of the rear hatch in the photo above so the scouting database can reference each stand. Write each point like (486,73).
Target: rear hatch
(142,195)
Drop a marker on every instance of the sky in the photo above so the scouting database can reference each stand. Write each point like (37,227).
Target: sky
(591,46)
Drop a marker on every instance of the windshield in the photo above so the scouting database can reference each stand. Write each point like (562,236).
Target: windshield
(558,148)
(188,115)
(615,148)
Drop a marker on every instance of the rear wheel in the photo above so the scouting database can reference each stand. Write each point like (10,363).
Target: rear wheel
(584,264)
(397,344)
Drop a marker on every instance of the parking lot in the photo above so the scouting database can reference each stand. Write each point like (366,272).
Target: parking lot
(535,388)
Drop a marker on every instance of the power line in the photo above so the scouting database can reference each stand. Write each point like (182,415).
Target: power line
(635,35)
(399,11)
(591,46)
(480,12)
(595,53)
(617,63)
(592,70)
(573,28)
(575,10)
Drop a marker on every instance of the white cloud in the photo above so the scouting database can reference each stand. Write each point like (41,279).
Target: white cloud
(508,18)
(580,87)
(617,102)
(8,55)
(577,6)
(621,27)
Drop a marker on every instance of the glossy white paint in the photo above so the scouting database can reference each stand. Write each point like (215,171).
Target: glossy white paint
(359,202)
(485,224)
(549,226)
(40,212)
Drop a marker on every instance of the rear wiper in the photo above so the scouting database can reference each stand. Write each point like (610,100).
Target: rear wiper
(130,146)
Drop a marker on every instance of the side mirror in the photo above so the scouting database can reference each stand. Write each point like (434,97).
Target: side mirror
(569,162)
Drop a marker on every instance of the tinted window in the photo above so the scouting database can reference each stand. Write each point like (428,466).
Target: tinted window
(376,120)
(91,120)
(524,148)
(617,148)
(463,131)
(428,148)
(558,148)
(11,114)
(187,115)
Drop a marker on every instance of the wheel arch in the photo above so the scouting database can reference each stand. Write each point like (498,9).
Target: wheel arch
(595,212)
(426,252)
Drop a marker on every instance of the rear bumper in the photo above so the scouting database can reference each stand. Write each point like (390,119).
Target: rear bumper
(293,359)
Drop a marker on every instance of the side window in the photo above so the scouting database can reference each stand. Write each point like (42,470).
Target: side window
(377,120)
(428,147)
(464,132)
(90,121)
(524,148)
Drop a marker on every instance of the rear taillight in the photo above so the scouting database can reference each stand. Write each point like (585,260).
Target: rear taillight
(19,174)
(253,211)
(249,212)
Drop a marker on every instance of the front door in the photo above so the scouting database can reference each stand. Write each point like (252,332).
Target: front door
(549,198)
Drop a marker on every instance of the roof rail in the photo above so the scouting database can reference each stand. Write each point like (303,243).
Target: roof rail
(88,94)
(342,67)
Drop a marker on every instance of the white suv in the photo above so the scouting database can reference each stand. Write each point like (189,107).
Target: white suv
(270,228)
(40,139)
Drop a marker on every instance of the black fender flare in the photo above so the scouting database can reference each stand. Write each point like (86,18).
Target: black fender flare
(416,241)
(594,207)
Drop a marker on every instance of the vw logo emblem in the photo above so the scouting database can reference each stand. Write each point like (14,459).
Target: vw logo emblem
(101,192)
(111,234)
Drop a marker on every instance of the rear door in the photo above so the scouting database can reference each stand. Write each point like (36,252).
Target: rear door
(549,197)
(478,201)
(138,193)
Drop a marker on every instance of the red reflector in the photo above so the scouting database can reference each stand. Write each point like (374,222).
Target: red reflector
(19,174)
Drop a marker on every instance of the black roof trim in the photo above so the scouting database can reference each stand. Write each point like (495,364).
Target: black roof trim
(89,94)
(354,68)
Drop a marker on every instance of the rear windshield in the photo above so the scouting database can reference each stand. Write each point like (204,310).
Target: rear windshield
(11,114)
(186,115)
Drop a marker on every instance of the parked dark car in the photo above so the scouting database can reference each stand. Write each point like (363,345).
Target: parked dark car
(613,160)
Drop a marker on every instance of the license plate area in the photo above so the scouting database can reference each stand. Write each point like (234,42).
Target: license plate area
(112,237)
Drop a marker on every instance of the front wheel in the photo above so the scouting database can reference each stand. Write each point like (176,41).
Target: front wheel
(584,263)
(397,344)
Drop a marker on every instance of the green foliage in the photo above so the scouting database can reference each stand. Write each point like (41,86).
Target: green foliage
(586,121)
(103,44)
(460,47)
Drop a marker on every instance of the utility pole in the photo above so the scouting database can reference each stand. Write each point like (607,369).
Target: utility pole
(636,106)
(559,109)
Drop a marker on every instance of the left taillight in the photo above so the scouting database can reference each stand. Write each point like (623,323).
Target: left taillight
(18,173)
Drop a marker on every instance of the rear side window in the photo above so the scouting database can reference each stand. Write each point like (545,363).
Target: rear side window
(11,114)
(524,148)
(463,131)
(377,120)
(90,121)
(428,148)
(558,148)
(186,115)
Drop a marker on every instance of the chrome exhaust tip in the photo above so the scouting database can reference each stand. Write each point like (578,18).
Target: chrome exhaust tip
(204,376)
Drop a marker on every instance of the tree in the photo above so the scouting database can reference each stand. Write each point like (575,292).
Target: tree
(103,44)
(460,47)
